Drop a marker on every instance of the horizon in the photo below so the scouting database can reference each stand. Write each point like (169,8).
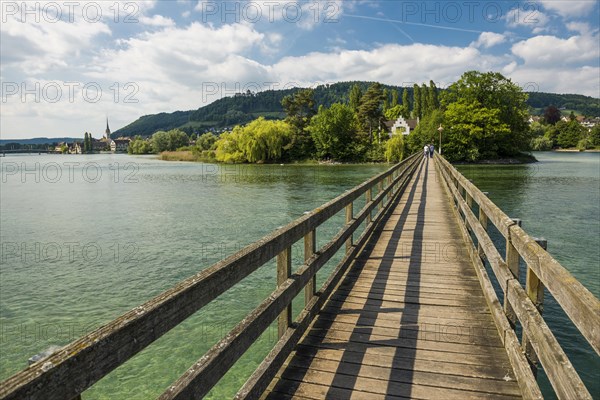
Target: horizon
(129,59)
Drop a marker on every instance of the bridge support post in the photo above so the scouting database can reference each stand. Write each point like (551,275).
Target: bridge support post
(512,262)
(310,245)
(284,270)
(389,183)
(483,220)
(535,290)
(349,216)
(379,190)
(369,198)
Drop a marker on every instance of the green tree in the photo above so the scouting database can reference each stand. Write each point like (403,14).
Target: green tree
(169,141)
(139,145)
(497,125)
(260,141)
(416,101)
(394,98)
(206,142)
(299,109)
(570,133)
(334,130)
(426,132)
(405,112)
(394,148)
(432,96)
(393,113)
(354,97)
(386,100)
(369,111)
(425,108)
(595,135)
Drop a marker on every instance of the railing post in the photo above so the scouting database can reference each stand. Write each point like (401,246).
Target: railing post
(349,216)
(389,184)
(310,244)
(483,220)
(512,262)
(379,190)
(535,290)
(284,270)
(46,353)
(368,199)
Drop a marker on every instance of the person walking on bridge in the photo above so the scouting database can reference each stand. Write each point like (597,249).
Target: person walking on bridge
(431,150)
(426,151)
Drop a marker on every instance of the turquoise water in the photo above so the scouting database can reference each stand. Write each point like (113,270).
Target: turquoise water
(87,238)
(558,199)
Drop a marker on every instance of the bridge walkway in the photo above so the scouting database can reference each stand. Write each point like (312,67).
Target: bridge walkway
(409,320)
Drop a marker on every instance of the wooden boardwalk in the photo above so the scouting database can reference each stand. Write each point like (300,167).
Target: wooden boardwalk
(409,320)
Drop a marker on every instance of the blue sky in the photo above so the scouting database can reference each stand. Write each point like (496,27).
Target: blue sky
(66,66)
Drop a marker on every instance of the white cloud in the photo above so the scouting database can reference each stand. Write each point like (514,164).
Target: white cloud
(579,27)
(488,39)
(533,19)
(548,50)
(157,20)
(570,8)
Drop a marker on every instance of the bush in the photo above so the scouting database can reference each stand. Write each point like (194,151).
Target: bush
(541,143)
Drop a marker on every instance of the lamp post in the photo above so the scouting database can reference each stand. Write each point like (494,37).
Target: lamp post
(440,129)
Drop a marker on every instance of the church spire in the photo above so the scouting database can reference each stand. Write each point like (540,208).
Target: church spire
(107,131)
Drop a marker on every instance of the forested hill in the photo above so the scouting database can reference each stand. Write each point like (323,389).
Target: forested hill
(245,107)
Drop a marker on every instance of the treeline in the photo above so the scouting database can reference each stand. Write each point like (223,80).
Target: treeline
(574,102)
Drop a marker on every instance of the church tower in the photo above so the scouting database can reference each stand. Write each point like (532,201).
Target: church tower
(107,131)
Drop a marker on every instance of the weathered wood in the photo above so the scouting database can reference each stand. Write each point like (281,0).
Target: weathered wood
(349,216)
(483,221)
(512,260)
(310,245)
(535,291)
(582,307)
(284,270)
(525,377)
(558,368)
(369,198)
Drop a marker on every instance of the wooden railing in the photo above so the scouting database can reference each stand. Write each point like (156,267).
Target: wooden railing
(538,344)
(77,366)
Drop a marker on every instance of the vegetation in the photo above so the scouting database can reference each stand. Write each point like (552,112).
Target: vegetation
(335,133)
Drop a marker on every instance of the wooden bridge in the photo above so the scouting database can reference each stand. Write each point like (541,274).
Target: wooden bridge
(409,312)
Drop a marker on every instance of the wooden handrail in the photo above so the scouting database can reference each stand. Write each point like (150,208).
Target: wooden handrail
(579,304)
(77,366)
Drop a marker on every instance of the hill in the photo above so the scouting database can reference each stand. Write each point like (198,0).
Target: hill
(40,140)
(245,107)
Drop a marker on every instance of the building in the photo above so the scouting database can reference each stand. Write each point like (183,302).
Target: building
(401,125)
(107,131)
(119,145)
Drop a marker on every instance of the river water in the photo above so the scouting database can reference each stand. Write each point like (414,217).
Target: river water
(87,238)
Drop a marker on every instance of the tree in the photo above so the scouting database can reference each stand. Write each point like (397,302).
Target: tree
(169,141)
(425,133)
(334,130)
(551,115)
(473,131)
(425,109)
(405,112)
(432,97)
(369,111)
(354,97)
(497,120)
(87,143)
(570,133)
(206,142)
(595,135)
(393,113)
(394,148)
(260,141)
(416,101)
(394,98)
(139,145)
(386,100)
(299,109)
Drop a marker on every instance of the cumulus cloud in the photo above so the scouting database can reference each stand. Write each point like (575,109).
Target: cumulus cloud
(570,8)
(548,50)
(488,39)
(533,19)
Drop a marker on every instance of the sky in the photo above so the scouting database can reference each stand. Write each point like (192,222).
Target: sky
(66,66)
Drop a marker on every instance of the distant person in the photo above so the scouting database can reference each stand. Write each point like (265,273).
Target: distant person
(431,151)
(426,151)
